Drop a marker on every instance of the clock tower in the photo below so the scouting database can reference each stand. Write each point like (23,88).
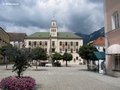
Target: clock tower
(53,27)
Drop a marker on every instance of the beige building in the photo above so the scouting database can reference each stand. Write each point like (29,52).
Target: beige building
(58,41)
(112,30)
(4,40)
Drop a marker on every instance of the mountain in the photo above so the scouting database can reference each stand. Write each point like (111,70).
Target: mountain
(93,36)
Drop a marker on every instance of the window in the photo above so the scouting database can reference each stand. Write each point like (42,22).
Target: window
(76,43)
(115,20)
(29,42)
(45,43)
(71,50)
(60,43)
(76,50)
(66,50)
(65,43)
(117,62)
(76,58)
(52,30)
(60,50)
(34,42)
(53,43)
(53,49)
(40,43)
(71,43)
(45,49)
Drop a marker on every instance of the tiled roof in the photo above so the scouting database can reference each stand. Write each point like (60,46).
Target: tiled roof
(17,36)
(99,41)
(61,35)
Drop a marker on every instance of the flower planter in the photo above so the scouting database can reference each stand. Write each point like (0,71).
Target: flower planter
(17,83)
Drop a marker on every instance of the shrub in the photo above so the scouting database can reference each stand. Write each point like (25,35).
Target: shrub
(17,83)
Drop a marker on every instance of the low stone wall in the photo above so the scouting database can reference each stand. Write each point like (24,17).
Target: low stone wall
(113,73)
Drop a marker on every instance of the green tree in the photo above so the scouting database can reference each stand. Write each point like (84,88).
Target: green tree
(67,57)
(4,53)
(38,54)
(86,52)
(21,63)
(20,58)
(57,56)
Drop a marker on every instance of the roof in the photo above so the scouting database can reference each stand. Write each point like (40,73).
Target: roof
(60,35)
(4,32)
(68,35)
(98,56)
(39,35)
(17,36)
(99,41)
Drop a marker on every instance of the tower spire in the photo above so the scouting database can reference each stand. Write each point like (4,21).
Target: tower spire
(54,15)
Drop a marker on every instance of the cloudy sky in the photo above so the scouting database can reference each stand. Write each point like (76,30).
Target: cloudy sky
(29,16)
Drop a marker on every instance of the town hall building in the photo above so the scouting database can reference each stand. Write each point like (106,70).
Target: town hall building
(59,42)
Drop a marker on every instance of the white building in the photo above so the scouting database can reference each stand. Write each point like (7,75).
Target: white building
(60,42)
(99,43)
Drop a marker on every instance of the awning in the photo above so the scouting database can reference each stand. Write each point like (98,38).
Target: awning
(113,49)
(98,56)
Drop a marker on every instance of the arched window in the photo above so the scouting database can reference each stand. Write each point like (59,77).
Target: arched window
(115,20)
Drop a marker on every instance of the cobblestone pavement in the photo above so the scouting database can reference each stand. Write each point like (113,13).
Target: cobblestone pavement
(74,77)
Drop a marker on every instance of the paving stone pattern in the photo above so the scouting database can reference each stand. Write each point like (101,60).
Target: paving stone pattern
(74,77)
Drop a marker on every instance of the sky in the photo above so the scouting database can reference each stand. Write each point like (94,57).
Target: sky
(30,16)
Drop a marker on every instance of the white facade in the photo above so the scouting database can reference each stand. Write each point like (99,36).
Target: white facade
(100,48)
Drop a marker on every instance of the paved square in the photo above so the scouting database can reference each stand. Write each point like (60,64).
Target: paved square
(74,77)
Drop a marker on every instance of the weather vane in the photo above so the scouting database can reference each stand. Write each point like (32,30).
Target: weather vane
(54,14)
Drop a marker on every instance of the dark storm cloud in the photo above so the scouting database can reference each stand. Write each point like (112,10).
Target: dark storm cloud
(85,20)
(36,15)
(23,14)
(79,23)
